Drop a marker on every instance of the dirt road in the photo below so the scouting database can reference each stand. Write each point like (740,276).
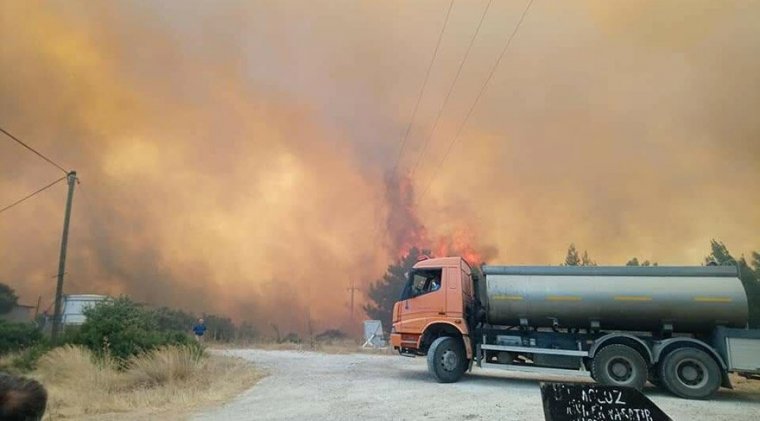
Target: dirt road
(313,386)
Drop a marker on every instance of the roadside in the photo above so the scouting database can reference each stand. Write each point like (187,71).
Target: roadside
(308,385)
(168,383)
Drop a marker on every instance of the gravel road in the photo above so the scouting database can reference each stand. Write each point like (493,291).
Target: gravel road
(314,386)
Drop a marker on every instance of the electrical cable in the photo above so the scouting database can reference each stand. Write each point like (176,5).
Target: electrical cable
(422,90)
(477,98)
(18,202)
(50,161)
(451,88)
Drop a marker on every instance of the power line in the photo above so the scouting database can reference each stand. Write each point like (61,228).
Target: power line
(33,150)
(422,90)
(480,94)
(33,194)
(451,88)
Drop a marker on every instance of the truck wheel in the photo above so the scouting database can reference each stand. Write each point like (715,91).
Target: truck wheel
(690,373)
(619,365)
(446,359)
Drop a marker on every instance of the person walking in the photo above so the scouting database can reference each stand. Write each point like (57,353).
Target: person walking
(199,330)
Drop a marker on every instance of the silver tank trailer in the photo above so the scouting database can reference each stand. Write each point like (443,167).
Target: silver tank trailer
(691,299)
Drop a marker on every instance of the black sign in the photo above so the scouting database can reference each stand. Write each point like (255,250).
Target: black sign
(592,402)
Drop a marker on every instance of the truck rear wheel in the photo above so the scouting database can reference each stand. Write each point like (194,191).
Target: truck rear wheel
(619,365)
(446,359)
(690,373)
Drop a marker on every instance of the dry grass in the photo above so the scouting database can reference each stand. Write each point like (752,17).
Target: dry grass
(6,361)
(166,383)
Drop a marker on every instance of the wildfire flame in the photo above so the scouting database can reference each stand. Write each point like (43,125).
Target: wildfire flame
(406,230)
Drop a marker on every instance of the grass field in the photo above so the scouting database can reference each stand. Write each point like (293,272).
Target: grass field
(168,383)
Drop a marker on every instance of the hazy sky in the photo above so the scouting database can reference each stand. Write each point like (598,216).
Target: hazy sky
(235,156)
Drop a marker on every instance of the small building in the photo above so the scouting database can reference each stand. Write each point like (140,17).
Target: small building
(20,313)
(74,306)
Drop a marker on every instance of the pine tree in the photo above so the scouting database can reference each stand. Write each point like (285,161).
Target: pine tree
(586,261)
(572,258)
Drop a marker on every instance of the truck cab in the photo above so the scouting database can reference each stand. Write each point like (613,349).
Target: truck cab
(437,301)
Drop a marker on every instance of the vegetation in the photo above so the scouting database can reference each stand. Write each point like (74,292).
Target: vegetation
(8,298)
(121,328)
(635,262)
(18,336)
(169,380)
(573,259)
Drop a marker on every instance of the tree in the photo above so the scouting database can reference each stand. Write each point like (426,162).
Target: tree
(172,320)
(586,261)
(220,328)
(749,273)
(246,331)
(8,298)
(384,292)
(635,262)
(573,259)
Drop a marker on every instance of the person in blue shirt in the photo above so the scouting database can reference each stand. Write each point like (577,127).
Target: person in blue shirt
(199,330)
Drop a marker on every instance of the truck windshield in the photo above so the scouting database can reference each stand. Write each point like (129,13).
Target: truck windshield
(422,281)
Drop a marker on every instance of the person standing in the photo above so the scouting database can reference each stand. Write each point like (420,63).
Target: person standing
(199,330)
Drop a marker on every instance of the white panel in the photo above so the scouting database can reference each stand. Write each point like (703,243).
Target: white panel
(744,354)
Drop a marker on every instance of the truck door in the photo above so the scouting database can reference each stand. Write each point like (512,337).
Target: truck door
(424,299)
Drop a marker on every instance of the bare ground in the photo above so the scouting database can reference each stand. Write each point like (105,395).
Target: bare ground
(308,385)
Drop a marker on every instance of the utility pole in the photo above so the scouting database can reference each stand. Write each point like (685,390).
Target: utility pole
(352,288)
(71,179)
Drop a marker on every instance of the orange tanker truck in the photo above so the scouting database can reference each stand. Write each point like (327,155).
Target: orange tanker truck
(683,328)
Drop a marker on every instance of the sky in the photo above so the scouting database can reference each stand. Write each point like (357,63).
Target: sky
(250,158)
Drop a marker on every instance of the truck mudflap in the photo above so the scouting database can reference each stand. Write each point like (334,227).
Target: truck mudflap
(468,348)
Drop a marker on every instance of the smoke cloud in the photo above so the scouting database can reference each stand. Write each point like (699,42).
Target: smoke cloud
(237,157)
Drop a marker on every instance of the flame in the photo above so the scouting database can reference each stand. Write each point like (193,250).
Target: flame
(406,229)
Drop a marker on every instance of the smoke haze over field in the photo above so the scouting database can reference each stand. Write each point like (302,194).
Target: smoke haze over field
(235,157)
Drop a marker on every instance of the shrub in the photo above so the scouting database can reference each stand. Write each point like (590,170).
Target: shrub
(331,335)
(291,337)
(18,336)
(27,359)
(8,298)
(121,328)
(165,365)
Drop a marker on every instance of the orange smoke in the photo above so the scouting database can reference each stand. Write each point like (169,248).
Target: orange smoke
(406,229)
(233,154)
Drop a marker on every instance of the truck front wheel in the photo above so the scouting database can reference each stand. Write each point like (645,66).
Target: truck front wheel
(446,359)
(690,373)
(619,365)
